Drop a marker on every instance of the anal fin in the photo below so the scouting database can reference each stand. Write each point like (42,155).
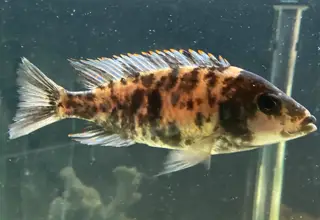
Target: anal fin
(100,136)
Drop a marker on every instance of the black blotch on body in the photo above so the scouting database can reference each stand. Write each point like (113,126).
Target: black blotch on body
(111,84)
(182,105)
(136,78)
(70,104)
(90,97)
(188,142)
(123,81)
(173,129)
(154,105)
(137,100)
(211,99)
(199,119)
(225,145)
(228,82)
(79,109)
(161,81)
(199,101)
(103,107)
(114,98)
(169,134)
(233,118)
(101,87)
(189,81)
(174,98)
(175,71)
(147,80)
(172,79)
(190,104)
(240,106)
(174,135)
(128,108)
(244,89)
(80,105)
(211,78)
(94,109)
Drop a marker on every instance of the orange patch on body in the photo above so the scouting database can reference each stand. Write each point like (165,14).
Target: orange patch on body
(198,93)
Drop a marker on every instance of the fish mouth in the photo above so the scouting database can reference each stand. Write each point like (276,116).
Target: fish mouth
(306,129)
(308,124)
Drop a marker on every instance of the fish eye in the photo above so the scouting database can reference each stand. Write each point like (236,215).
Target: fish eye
(269,104)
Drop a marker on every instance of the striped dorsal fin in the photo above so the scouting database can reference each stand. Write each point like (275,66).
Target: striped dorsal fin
(99,71)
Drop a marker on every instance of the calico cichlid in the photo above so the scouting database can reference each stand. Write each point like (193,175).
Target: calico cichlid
(189,102)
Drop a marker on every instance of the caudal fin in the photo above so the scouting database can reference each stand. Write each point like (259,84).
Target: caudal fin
(38,101)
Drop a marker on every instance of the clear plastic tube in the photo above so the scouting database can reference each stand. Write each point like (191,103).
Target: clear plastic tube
(270,171)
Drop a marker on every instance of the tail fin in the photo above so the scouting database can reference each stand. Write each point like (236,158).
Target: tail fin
(38,101)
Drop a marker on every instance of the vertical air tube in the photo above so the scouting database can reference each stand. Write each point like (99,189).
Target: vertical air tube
(267,198)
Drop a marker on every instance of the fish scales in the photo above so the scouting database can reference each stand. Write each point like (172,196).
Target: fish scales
(186,110)
(187,101)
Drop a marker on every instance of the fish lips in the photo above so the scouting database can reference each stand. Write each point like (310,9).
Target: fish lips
(308,124)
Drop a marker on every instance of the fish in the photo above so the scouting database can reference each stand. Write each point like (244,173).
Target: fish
(189,102)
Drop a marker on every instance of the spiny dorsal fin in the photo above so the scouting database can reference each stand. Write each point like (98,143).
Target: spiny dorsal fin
(96,72)
(95,135)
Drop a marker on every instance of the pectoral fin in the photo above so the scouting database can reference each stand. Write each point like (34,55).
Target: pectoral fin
(181,159)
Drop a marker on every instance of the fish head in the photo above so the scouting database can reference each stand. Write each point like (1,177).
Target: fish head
(279,118)
(256,113)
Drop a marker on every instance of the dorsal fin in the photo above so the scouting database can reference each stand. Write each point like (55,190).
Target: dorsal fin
(96,72)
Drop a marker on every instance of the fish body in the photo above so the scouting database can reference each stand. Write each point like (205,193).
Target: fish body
(186,101)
